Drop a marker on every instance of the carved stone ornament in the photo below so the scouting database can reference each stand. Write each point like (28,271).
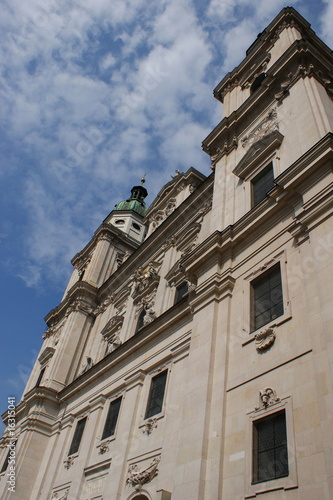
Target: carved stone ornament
(87,365)
(104,447)
(224,149)
(267,397)
(145,281)
(149,426)
(104,305)
(265,127)
(81,306)
(68,462)
(149,316)
(139,478)
(264,339)
(60,495)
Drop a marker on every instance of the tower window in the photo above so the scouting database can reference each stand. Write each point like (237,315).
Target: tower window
(270,454)
(262,184)
(111,419)
(136,226)
(119,221)
(267,298)
(257,82)
(156,394)
(77,436)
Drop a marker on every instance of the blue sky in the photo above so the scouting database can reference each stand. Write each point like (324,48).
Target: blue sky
(93,95)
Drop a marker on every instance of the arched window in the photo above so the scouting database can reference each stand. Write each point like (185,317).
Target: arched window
(257,82)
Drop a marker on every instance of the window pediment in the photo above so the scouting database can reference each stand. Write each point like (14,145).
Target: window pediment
(257,153)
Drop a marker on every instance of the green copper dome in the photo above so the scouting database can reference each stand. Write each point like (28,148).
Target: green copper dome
(136,201)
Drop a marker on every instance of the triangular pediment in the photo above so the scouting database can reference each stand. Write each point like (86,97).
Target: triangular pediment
(258,151)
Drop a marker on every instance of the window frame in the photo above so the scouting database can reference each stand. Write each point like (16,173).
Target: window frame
(112,436)
(76,451)
(177,296)
(257,453)
(268,166)
(149,399)
(248,333)
(282,483)
(254,301)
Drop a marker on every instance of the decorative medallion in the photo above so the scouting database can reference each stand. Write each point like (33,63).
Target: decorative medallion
(264,339)
(267,397)
(139,478)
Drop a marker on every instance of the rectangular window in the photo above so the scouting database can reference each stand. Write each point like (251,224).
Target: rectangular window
(181,291)
(156,394)
(262,184)
(111,419)
(77,436)
(5,464)
(267,298)
(270,454)
(40,377)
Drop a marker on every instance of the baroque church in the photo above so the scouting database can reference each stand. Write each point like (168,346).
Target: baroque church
(191,356)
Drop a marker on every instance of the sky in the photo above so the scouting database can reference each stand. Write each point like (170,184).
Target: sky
(93,95)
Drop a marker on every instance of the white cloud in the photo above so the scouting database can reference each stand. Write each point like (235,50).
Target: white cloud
(95,94)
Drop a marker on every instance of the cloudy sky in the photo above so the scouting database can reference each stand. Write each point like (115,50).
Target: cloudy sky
(94,94)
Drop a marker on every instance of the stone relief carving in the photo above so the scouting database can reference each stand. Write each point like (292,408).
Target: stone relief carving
(145,282)
(111,332)
(161,215)
(149,426)
(79,305)
(265,127)
(68,462)
(104,305)
(264,339)
(87,365)
(104,447)
(267,397)
(149,316)
(60,495)
(225,148)
(139,478)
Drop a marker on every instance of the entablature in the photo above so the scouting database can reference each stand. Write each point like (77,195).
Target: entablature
(300,60)
(81,297)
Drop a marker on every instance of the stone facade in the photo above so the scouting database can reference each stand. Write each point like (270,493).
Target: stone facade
(180,311)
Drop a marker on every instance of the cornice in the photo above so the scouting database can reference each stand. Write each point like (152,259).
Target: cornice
(180,180)
(161,238)
(35,397)
(107,232)
(280,201)
(300,60)
(176,315)
(81,297)
(257,55)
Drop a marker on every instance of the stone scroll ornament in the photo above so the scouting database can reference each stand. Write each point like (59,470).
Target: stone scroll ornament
(138,478)
(264,339)
(267,397)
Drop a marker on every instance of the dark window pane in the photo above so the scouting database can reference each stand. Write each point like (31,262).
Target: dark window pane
(181,291)
(156,394)
(262,184)
(40,376)
(267,298)
(111,419)
(270,454)
(139,324)
(77,436)
(5,464)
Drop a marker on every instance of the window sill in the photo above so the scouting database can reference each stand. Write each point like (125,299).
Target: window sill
(272,324)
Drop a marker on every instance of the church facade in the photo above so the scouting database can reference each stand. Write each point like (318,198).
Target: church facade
(191,356)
